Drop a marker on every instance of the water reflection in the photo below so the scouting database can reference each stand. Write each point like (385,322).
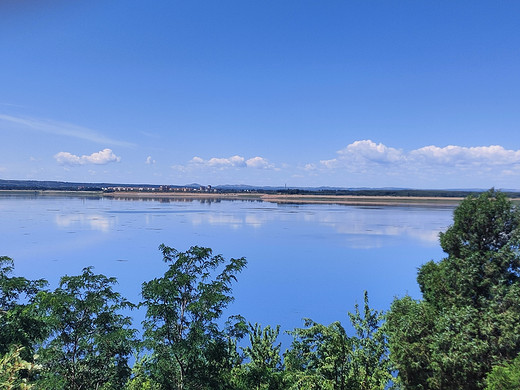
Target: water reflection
(93,221)
(363,226)
(200,200)
(229,220)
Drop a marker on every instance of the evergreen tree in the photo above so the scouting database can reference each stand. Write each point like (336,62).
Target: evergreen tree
(469,318)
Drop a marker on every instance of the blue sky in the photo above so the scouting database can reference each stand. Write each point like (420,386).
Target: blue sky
(418,94)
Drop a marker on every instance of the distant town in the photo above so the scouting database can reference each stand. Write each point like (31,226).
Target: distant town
(164,188)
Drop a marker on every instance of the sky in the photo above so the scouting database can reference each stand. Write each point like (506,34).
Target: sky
(361,93)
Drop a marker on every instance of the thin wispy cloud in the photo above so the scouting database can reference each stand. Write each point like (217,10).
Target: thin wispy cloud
(149,134)
(60,128)
(102,157)
(11,105)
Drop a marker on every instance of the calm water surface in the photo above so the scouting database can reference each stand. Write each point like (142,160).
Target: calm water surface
(303,260)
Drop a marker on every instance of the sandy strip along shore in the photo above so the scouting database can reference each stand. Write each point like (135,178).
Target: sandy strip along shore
(295,199)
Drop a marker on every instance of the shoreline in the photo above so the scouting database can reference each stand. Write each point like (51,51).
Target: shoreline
(297,199)
(353,200)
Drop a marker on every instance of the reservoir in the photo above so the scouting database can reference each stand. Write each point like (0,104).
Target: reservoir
(304,261)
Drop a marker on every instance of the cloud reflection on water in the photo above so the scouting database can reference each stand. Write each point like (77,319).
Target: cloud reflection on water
(362,228)
(93,221)
(365,229)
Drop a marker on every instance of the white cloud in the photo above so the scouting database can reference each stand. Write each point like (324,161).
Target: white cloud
(310,167)
(359,154)
(197,160)
(104,156)
(234,161)
(259,163)
(368,163)
(370,151)
(362,154)
(150,160)
(61,128)
(231,162)
(459,155)
(66,158)
(330,164)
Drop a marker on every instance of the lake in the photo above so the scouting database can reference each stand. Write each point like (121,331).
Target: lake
(311,260)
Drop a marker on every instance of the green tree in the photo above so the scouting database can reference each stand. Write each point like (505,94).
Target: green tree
(371,367)
(141,378)
(410,325)
(320,357)
(263,369)
(505,376)
(20,325)
(183,307)
(325,357)
(469,318)
(91,341)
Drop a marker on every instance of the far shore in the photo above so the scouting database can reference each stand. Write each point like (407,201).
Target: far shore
(296,199)
(360,200)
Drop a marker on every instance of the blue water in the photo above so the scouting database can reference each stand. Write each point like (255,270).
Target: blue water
(303,260)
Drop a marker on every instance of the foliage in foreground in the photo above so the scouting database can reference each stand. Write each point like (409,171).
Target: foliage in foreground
(505,376)
(20,324)
(14,370)
(325,357)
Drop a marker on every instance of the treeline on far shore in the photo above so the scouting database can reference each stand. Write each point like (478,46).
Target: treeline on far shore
(393,192)
(463,334)
(35,185)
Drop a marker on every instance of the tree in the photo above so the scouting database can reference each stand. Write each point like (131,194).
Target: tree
(505,376)
(141,378)
(371,366)
(20,325)
(325,357)
(183,307)
(320,357)
(91,341)
(409,326)
(263,369)
(483,260)
(469,318)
